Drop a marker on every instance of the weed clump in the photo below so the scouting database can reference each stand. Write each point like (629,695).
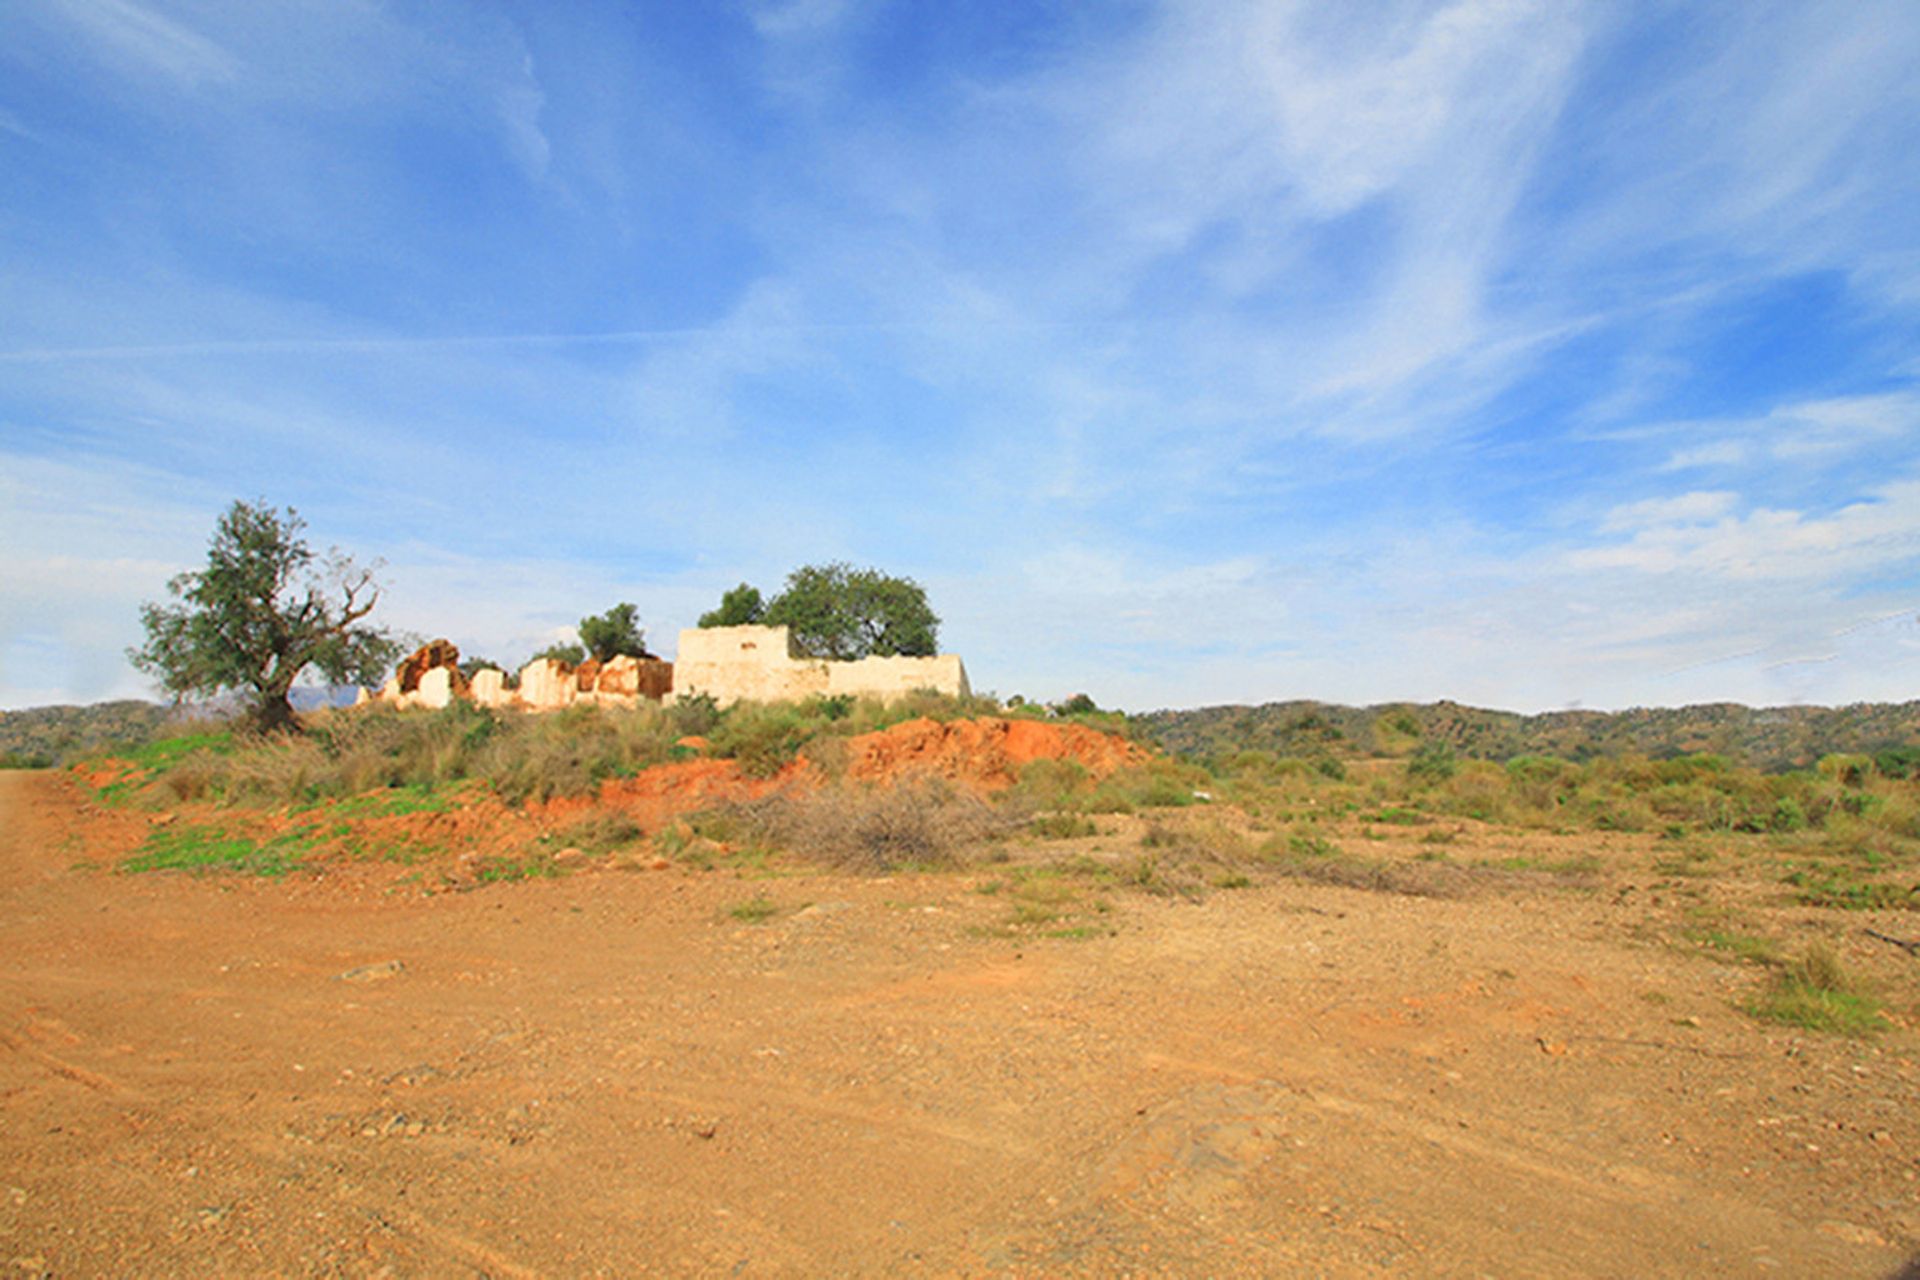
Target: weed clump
(1815,992)
(927,823)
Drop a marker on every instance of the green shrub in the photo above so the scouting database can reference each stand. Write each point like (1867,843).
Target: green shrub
(1898,762)
(1815,992)
(1062,826)
(1787,815)
(1433,763)
(763,738)
(600,832)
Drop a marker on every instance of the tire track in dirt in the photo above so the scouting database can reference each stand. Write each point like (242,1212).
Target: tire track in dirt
(55,1065)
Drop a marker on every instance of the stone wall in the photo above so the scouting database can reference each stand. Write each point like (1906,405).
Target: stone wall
(737,664)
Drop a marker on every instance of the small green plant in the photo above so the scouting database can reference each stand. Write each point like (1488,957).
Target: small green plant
(1307,844)
(602,832)
(1398,817)
(1816,992)
(1741,947)
(1839,892)
(1433,763)
(1584,864)
(1062,826)
(1692,863)
(694,714)
(755,910)
(534,866)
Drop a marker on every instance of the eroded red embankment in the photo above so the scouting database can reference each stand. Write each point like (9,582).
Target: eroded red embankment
(987,752)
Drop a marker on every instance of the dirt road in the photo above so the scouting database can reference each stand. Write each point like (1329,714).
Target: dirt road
(611,1075)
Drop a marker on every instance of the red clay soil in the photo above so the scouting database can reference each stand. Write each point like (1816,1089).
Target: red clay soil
(656,796)
(986,752)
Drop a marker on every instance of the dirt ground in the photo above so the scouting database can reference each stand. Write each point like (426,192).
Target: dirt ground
(615,1074)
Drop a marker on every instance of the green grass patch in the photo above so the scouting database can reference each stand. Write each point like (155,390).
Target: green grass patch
(208,848)
(1816,993)
(1399,817)
(1062,826)
(392,802)
(1743,947)
(1585,864)
(397,849)
(1842,893)
(533,866)
(1693,863)
(755,910)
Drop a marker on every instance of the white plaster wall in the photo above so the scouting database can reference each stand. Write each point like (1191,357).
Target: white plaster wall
(546,685)
(894,677)
(490,688)
(751,663)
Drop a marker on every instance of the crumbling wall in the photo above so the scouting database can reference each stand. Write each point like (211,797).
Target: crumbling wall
(730,664)
(430,676)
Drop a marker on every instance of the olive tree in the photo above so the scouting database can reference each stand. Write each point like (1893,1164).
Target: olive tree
(263,610)
(838,611)
(613,634)
(738,607)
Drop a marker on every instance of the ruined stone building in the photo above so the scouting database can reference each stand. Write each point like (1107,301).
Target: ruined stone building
(728,664)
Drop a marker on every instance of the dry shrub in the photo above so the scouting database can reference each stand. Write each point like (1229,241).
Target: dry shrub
(1413,879)
(878,828)
(602,831)
(275,771)
(194,778)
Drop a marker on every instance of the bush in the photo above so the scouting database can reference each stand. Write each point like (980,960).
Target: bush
(1898,762)
(877,829)
(600,832)
(1817,993)
(763,738)
(1433,763)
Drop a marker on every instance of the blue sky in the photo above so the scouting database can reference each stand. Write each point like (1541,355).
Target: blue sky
(1525,354)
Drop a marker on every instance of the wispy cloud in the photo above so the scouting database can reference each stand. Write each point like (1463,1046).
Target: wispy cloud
(137,36)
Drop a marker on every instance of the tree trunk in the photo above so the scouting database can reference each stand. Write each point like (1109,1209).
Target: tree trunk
(273,714)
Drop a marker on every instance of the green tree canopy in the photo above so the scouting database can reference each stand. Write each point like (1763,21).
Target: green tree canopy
(838,611)
(738,607)
(263,611)
(560,651)
(614,634)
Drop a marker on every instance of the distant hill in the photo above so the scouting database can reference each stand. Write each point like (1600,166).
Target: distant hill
(41,737)
(45,736)
(1772,738)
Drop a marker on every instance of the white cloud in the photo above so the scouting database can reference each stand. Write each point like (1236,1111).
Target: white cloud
(1698,507)
(520,103)
(1720,453)
(1882,531)
(1800,431)
(787,18)
(136,35)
